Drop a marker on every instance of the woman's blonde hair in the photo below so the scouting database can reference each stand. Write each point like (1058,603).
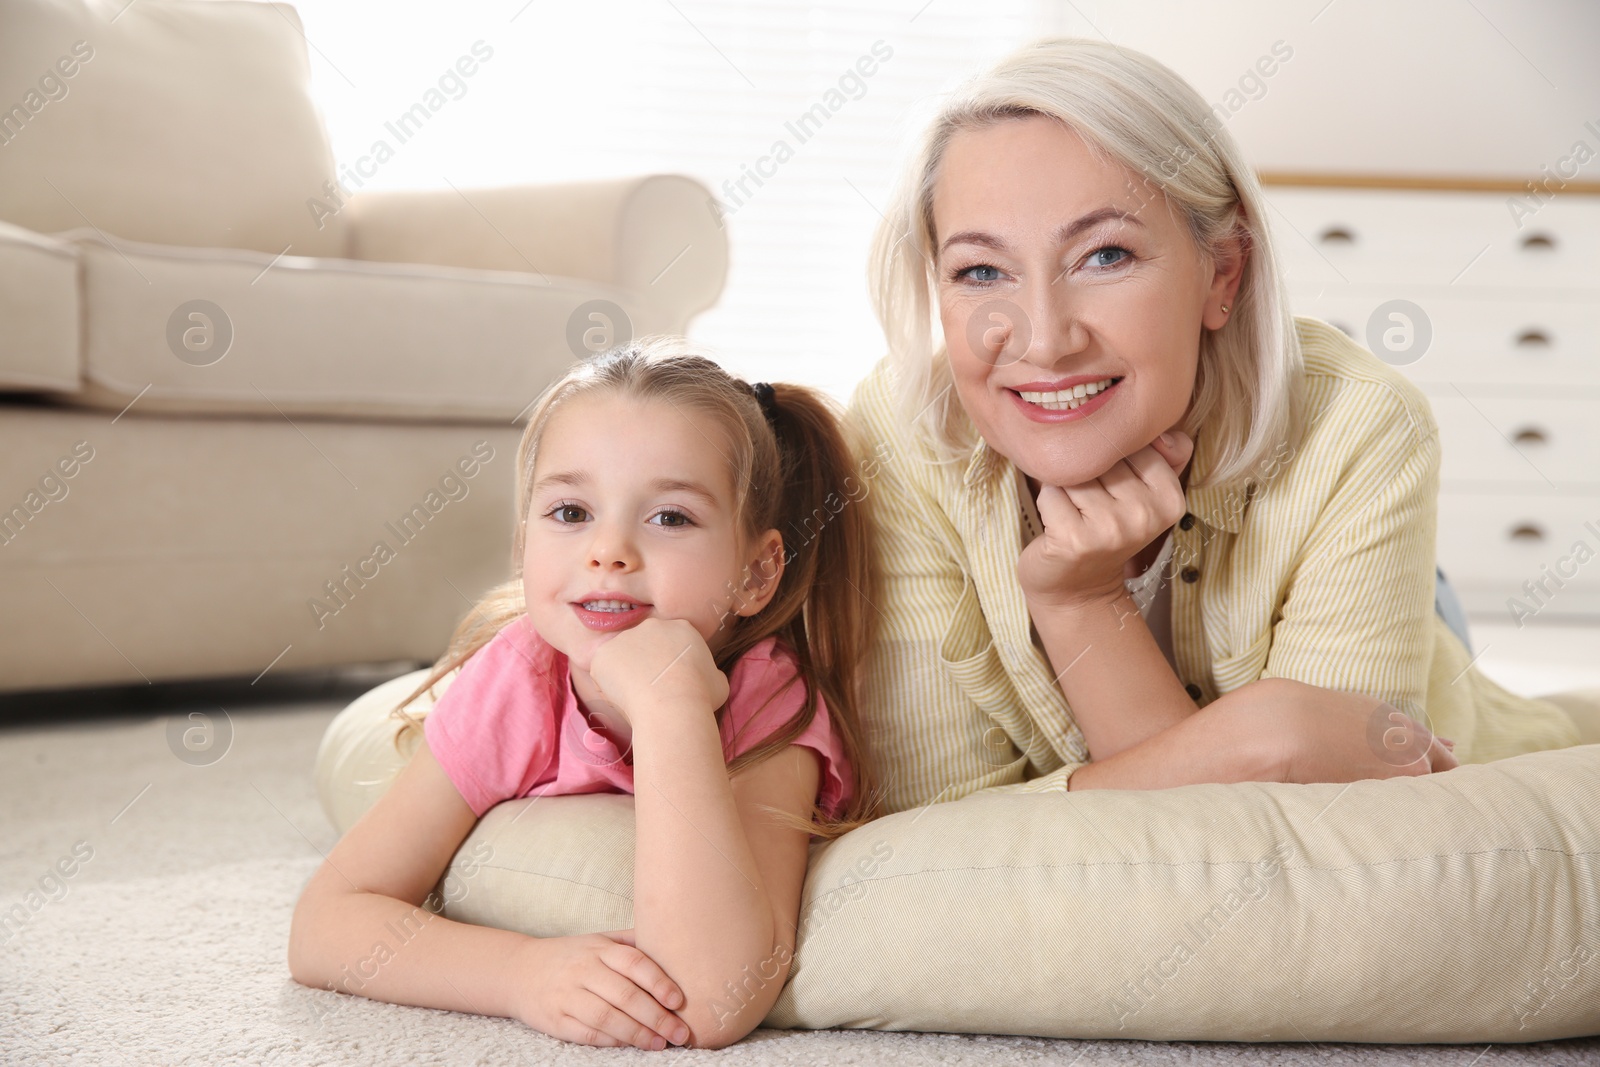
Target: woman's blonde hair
(788,470)
(1131,111)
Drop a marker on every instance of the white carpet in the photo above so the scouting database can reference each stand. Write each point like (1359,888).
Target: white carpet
(168,945)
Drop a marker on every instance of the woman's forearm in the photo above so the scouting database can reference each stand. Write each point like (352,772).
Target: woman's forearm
(1119,685)
(700,908)
(1228,740)
(387,949)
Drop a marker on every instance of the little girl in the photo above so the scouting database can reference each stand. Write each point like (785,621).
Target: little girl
(684,623)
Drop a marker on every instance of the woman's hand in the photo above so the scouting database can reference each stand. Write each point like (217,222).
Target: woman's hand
(659,661)
(1092,530)
(1313,734)
(597,989)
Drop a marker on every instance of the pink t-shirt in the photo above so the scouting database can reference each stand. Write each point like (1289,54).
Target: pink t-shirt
(509,725)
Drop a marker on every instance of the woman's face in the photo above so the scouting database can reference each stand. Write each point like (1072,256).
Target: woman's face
(1072,299)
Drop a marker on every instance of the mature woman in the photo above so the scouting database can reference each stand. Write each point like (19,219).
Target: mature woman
(1140,526)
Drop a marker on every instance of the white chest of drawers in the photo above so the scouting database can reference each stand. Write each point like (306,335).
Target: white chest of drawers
(1502,333)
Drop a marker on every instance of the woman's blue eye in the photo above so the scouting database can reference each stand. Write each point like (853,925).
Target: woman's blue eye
(1109,248)
(969,273)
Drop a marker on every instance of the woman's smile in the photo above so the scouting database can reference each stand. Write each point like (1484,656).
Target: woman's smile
(1077,401)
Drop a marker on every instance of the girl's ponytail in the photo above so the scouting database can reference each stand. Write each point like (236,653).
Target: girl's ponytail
(824,598)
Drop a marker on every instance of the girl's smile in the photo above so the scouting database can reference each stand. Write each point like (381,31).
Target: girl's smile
(609,612)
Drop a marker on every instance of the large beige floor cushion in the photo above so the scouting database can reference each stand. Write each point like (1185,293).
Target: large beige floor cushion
(1455,907)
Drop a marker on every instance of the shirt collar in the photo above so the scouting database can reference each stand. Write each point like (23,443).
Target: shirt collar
(1221,507)
(982,464)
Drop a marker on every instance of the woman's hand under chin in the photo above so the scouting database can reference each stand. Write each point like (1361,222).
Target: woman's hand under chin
(1092,530)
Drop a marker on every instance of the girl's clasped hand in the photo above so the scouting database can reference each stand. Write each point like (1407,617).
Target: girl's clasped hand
(598,989)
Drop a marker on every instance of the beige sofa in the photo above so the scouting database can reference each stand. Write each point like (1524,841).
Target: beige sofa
(251,418)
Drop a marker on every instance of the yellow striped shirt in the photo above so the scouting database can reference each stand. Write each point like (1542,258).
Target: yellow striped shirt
(1325,574)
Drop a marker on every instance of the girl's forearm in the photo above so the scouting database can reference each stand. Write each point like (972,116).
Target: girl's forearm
(1119,685)
(700,909)
(383,948)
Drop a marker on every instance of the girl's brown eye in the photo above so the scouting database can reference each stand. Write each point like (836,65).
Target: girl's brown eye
(570,513)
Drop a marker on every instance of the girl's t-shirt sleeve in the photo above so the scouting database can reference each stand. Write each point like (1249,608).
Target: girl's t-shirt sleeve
(764,692)
(493,729)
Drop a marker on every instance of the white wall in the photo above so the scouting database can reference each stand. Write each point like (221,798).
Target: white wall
(1436,87)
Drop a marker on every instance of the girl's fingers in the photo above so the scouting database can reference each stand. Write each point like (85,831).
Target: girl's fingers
(643,972)
(641,1008)
(581,1033)
(600,1022)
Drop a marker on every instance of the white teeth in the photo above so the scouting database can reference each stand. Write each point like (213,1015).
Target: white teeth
(1067,399)
(608,605)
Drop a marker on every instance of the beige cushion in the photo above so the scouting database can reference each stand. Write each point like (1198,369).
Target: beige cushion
(39,307)
(1457,907)
(187,122)
(324,336)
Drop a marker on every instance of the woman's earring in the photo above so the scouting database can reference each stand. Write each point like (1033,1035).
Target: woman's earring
(1224,309)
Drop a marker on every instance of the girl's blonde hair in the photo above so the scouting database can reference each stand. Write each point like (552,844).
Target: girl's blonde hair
(786,473)
(1134,112)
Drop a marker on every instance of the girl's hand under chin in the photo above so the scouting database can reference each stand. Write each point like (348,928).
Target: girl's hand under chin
(1092,530)
(660,662)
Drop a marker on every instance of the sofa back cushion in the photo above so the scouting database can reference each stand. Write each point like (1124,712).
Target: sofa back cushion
(183,122)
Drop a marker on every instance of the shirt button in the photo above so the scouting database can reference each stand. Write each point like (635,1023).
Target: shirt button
(1193,690)
(1191,575)
(1187,522)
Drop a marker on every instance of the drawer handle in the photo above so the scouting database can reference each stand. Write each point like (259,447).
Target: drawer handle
(1337,235)
(1530,435)
(1528,531)
(1533,338)
(1538,242)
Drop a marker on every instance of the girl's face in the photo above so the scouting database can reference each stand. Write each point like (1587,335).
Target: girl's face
(631,515)
(1058,270)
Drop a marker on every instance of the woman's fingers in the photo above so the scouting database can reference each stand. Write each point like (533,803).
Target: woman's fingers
(1057,509)
(1151,473)
(1178,452)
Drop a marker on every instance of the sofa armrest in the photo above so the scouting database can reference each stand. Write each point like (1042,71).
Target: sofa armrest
(655,236)
(39,306)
